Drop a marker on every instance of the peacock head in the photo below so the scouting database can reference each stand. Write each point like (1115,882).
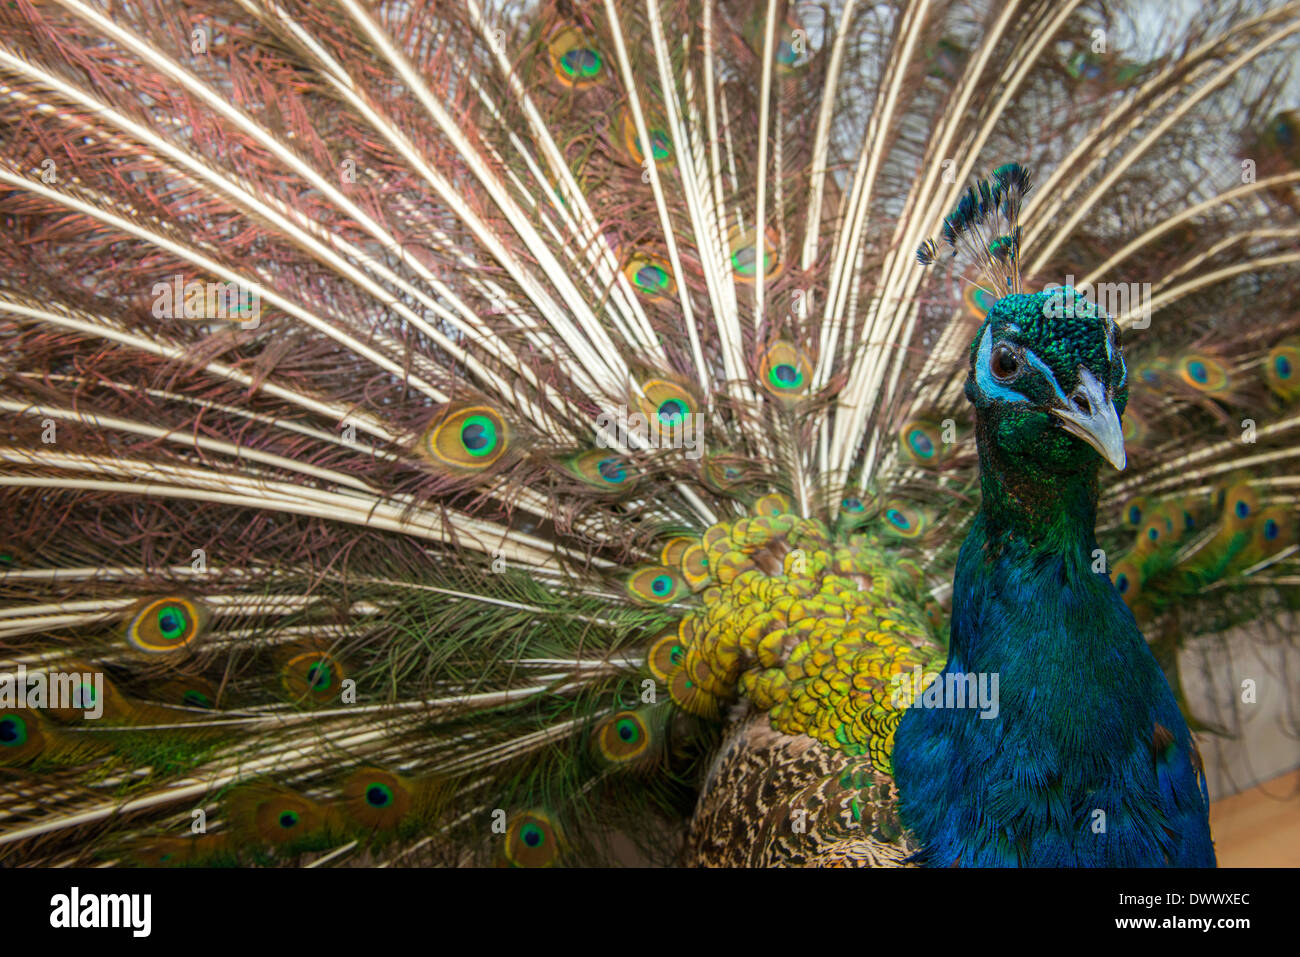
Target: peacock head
(1048,383)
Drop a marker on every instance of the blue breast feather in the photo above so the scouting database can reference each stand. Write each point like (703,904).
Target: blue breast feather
(1080,700)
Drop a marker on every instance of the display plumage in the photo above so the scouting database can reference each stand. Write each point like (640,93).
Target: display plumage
(436,474)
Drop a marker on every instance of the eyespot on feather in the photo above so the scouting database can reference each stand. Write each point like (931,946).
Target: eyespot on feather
(792,44)
(1133,512)
(921,442)
(903,520)
(274,816)
(21,739)
(1240,502)
(688,695)
(978,300)
(785,371)
(1153,374)
(725,473)
(532,840)
(312,677)
(655,585)
(744,255)
(694,565)
(773,505)
(1159,528)
(660,141)
(666,404)
(1126,575)
(603,469)
(666,656)
(188,691)
(622,738)
(576,61)
(1204,373)
(1135,429)
(375,799)
(466,439)
(98,694)
(1282,371)
(166,625)
(651,276)
(673,549)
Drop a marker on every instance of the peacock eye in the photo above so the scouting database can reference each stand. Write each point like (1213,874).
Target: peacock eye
(1005,362)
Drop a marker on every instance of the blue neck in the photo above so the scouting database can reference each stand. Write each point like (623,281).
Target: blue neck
(1087,761)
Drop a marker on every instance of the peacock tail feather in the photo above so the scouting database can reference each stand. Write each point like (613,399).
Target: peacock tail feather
(486,433)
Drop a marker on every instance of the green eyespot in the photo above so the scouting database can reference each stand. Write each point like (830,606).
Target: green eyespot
(651,275)
(655,585)
(13,731)
(666,655)
(466,438)
(575,60)
(903,520)
(532,840)
(311,677)
(622,737)
(162,625)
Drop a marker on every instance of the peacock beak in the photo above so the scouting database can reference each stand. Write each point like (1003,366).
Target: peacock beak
(1090,415)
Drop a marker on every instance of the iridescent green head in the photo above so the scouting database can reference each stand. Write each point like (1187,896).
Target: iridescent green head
(1048,382)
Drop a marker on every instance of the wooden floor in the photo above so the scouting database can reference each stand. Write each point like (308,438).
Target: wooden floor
(1259,827)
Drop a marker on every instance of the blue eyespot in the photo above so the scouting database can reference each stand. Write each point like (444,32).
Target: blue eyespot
(785,376)
(662,585)
(651,277)
(13,731)
(83,696)
(1283,367)
(475,437)
(196,699)
(1134,515)
(1121,583)
(672,411)
(612,470)
(1271,530)
(1242,509)
(921,444)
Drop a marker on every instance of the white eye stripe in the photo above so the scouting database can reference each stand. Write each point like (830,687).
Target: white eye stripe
(1041,366)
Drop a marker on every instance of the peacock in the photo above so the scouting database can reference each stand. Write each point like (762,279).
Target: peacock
(705,432)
